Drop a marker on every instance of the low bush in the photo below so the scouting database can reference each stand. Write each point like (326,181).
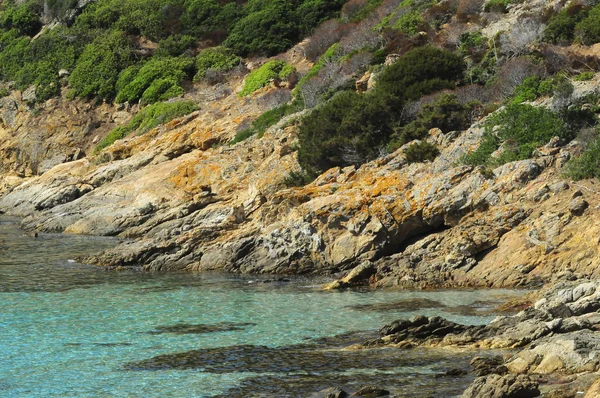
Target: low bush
(532,88)
(352,128)
(148,118)
(99,66)
(176,45)
(410,23)
(588,30)
(520,128)
(22,18)
(261,77)
(420,152)
(158,79)
(219,59)
(587,165)
(421,71)
(266,120)
(561,26)
(446,113)
(584,76)
(497,5)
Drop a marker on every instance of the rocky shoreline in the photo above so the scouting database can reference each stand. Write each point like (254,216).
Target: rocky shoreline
(183,199)
(386,224)
(552,348)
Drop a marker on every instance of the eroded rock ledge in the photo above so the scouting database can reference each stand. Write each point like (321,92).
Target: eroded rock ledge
(553,347)
(190,206)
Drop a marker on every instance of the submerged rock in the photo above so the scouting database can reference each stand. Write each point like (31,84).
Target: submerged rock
(403,305)
(184,328)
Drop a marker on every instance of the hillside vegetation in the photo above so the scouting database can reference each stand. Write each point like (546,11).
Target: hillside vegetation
(430,64)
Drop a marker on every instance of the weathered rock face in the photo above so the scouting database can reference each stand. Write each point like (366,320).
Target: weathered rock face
(197,207)
(34,141)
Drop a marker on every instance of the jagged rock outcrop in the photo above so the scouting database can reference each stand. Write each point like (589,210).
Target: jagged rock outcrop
(197,207)
(558,335)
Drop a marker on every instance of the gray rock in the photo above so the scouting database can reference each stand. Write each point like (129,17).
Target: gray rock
(558,186)
(371,392)
(578,206)
(29,95)
(509,386)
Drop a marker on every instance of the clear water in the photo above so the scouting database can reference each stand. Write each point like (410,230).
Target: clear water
(71,330)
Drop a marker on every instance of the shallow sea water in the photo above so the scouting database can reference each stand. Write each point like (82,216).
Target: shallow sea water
(72,330)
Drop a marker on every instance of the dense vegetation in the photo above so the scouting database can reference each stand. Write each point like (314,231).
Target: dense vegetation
(150,51)
(352,128)
(99,50)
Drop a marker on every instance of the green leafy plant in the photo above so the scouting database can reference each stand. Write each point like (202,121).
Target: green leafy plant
(584,76)
(587,165)
(352,128)
(446,113)
(266,120)
(587,31)
(520,129)
(220,59)
(561,26)
(497,5)
(420,152)
(158,79)
(98,67)
(263,75)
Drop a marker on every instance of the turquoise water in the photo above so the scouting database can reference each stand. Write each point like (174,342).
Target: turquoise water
(71,330)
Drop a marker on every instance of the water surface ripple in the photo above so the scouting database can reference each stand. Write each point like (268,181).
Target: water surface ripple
(72,330)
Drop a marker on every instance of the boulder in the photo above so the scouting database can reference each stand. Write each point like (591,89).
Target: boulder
(508,386)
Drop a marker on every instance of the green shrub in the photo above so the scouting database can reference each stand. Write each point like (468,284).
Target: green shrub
(297,179)
(59,9)
(312,12)
(366,10)
(348,129)
(201,17)
(497,5)
(410,23)
(242,136)
(176,45)
(162,89)
(584,76)
(588,30)
(148,118)
(332,53)
(473,43)
(219,59)
(98,67)
(446,113)
(587,165)
(261,77)
(271,27)
(420,152)
(561,26)
(268,31)
(352,128)
(482,155)
(421,71)
(22,18)
(153,19)
(158,79)
(521,129)
(266,120)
